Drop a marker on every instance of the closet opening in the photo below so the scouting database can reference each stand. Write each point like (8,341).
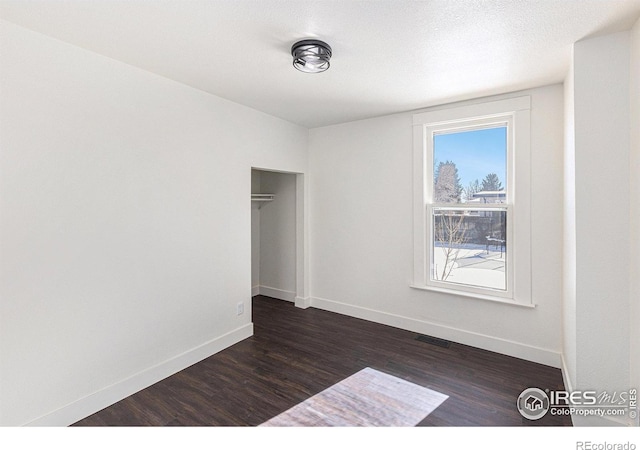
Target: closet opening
(278,236)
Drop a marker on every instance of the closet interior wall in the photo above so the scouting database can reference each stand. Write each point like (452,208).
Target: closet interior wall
(273,235)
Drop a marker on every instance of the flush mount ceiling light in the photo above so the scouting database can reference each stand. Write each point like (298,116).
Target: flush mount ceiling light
(311,56)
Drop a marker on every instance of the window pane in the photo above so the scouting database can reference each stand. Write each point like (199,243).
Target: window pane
(469,247)
(470,166)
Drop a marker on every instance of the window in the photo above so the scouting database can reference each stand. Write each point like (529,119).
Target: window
(471,201)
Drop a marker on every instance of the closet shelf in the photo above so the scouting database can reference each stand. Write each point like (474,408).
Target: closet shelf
(262,197)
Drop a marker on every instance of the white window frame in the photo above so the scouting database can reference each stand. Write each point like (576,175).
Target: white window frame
(515,114)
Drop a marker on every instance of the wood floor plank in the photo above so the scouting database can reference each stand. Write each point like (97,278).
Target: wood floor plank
(296,353)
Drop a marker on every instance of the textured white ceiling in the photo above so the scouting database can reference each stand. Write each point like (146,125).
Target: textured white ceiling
(389,55)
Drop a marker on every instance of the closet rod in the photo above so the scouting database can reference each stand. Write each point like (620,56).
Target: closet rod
(262,197)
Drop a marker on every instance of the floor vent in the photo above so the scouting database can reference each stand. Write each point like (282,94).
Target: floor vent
(433,341)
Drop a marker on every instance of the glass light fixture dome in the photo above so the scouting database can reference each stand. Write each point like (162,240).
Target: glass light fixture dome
(311,55)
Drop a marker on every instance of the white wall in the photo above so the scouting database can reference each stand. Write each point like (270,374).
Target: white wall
(361,237)
(255,233)
(602,214)
(278,236)
(634,228)
(125,224)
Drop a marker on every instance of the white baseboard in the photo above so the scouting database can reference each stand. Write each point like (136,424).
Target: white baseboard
(566,379)
(568,386)
(93,403)
(255,290)
(303,302)
(277,293)
(491,343)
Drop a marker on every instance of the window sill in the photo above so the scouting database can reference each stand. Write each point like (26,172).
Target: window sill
(490,298)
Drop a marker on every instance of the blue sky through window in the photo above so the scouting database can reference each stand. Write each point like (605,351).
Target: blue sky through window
(475,153)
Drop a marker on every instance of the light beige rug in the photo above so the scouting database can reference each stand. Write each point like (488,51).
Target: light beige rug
(368,398)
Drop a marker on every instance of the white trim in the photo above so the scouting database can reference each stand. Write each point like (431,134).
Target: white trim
(495,344)
(514,112)
(565,374)
(521,218)
(473,295)
(463,113)
(302,238)
(303,303)
(93,403)
(419,210)
(302,241)
(280,294)
(255,290)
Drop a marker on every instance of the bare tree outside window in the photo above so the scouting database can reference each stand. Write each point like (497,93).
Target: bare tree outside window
(472,188)
(449,233)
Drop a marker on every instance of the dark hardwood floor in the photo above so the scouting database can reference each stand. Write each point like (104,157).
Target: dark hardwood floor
(297,353)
